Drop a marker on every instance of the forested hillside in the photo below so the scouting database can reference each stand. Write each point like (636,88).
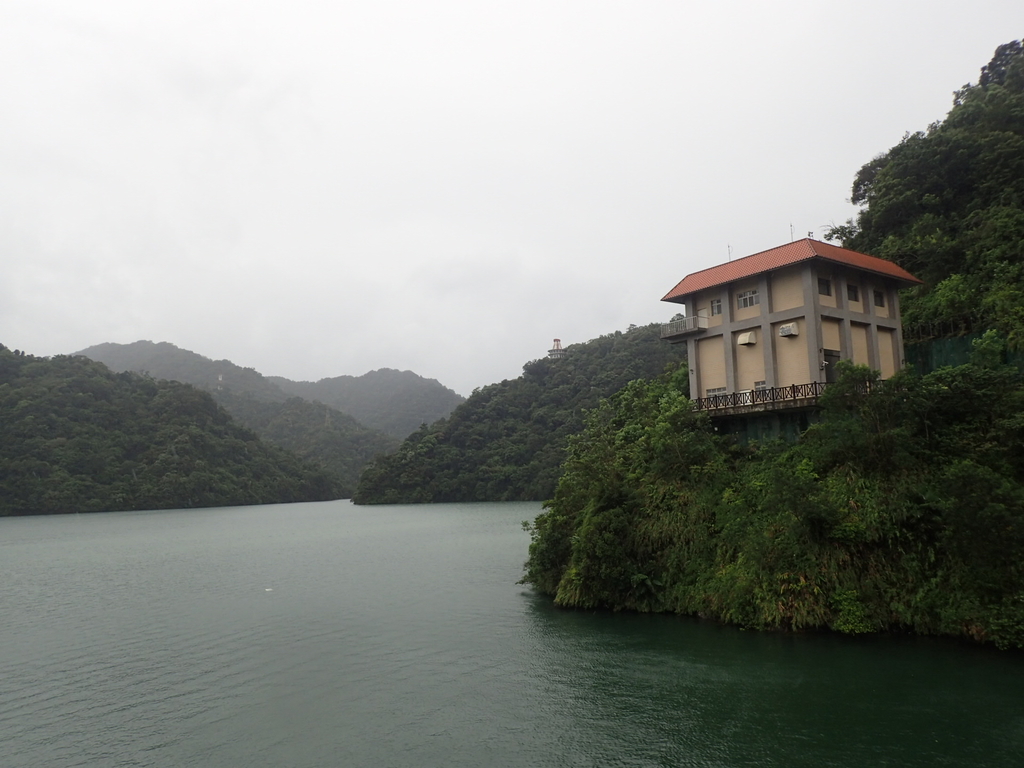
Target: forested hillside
(903,508)
(79,438)
(507,441)
(947,204)
(395,402)
(323,435)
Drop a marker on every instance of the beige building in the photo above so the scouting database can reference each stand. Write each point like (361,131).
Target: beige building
(769,328)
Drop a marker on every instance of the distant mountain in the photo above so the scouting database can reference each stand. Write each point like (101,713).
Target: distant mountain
(390,401)
(313,431)
(79,438)
(395,402)
(508,440)
(165,361)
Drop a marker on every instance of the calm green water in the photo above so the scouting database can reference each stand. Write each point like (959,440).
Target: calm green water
(332,635)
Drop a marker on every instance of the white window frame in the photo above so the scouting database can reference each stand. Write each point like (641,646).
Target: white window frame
(746,299)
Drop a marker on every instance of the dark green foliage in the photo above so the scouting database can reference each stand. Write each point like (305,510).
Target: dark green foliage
(507,441)
(77,437)
(394,402)
(902,509)
(947,204)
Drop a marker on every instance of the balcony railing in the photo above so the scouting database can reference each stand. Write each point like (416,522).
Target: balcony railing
(683,326)
(769,398)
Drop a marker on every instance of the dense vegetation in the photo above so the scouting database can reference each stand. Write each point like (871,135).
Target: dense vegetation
(394,402)
(947,204)
(507,441)
(900,509)
(79,438)
(903,508)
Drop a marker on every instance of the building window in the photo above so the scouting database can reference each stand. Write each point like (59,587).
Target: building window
(852,293)
(746,299)
(716,307)
(824,286)
(716,391)
(760,386)
(879,299)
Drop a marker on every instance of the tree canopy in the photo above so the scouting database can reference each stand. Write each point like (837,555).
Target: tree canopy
(947,204)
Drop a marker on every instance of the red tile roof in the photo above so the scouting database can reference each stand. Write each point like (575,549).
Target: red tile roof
(784,256)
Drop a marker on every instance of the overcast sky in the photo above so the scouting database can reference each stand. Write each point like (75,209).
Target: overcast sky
(324,188)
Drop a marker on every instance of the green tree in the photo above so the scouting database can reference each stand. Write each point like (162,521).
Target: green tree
(947,204)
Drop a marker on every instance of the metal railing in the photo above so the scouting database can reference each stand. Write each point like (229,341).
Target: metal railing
(684,325)
(765,396)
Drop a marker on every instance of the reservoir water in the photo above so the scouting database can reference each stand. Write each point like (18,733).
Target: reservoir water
(311,635)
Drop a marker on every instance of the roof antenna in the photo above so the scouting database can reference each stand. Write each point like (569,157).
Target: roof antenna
(730,251)
(791,238)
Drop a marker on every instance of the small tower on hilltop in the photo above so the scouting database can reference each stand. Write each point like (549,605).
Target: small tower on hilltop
(556,350)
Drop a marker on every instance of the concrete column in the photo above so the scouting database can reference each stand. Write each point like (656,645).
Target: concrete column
(727,341)
(845,331)
(813,322)
(767,340)
(869,305)
(691,363)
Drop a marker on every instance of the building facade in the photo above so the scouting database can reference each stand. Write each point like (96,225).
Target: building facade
(780,319)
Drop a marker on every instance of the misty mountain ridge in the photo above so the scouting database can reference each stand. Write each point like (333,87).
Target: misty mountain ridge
(386,400)
(395,402)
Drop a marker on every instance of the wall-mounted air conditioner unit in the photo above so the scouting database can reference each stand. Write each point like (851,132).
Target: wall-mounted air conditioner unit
(747,338)
(789,329)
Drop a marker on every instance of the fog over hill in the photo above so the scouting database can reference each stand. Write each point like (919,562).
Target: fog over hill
(288,413)
(395,402)
(386,400)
